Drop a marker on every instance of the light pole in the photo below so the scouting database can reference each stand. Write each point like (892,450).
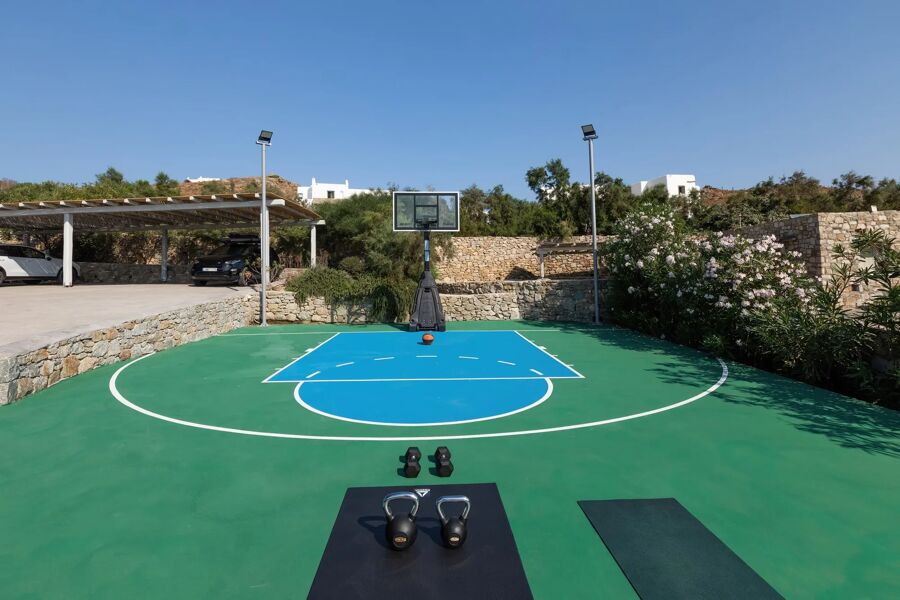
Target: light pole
(265,139)
(589,136)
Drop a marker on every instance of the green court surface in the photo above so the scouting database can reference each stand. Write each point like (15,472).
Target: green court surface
(183,475)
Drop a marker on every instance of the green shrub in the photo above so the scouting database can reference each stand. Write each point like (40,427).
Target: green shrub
(390,297)
(352,264)
(751,300)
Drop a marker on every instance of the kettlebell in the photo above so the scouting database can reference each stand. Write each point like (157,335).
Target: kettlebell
(453,529)
(401,529)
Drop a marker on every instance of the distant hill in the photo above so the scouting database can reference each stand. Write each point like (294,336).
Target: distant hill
(275,184)
(712,196)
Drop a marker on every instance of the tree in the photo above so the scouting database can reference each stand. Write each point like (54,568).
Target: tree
(553,188)
(885,195)
(473,208)
(614,201)
(165,185)
(850,189)
(110,176)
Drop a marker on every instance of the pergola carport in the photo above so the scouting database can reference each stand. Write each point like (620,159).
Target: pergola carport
(160,213)
(548,248)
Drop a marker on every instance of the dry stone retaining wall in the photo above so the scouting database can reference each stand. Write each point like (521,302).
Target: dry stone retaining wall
(494,258)
(816,235)
(28,372)
(552,300)
(282,307)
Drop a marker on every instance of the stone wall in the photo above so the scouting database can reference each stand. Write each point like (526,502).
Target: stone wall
(839,228)
(799,234)
(542,300)
(282,307)
(551,300)
(122,273)
(816,235)
(34,370)
(493,258)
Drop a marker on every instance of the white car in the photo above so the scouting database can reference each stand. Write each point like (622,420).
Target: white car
(21,263)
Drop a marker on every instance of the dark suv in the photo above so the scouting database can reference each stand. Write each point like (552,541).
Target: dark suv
(236,261)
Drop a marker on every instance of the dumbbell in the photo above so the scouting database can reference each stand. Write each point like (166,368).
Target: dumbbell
(442,463)
(411,467)
(442,452)
(453,529)
(401,529)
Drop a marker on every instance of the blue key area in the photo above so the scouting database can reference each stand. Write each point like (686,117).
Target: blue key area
(421,402)
(472,355)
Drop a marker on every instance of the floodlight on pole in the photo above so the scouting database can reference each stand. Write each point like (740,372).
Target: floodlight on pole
(589,135)
(264,140)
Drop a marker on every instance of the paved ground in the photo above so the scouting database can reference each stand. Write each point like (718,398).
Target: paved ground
(183,475)
(32,316)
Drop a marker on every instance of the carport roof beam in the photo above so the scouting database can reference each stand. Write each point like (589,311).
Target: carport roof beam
(215,211)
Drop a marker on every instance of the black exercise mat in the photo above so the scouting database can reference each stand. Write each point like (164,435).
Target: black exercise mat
(665,552)
(358,563)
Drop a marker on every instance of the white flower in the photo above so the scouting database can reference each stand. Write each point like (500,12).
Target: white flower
(631,289)
(670,260)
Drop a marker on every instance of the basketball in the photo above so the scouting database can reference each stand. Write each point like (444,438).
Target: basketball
(427,339)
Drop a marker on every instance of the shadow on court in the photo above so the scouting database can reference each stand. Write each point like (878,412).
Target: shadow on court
(846,421)
(849,422)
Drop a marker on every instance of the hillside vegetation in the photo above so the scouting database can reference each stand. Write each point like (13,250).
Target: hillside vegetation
(560,208)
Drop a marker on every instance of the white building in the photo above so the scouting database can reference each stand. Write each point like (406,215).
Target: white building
(202,179)
(676,185)
(326,192)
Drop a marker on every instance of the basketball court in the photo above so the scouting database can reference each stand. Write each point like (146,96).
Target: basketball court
(219,467)
(596,463)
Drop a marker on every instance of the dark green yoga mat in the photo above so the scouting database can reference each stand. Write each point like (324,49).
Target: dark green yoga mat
(666,553)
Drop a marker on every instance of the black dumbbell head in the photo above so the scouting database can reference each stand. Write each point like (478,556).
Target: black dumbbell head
(413,453)
(444,468)
(411,468)
(442,453)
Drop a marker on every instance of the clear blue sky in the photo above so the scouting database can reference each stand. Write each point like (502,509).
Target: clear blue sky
(453,93)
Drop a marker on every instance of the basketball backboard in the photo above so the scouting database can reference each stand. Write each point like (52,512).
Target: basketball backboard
(418,211)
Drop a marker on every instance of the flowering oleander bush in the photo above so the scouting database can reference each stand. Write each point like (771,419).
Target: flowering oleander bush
(753,300)
(700,291)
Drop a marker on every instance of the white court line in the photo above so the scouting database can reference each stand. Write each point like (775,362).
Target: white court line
(335,438)
(384,358)
(553,356)
(377,380)
(426,355)
(506,362)
(308,352)
(302,403)
(387,331)
(311,375)
(344,364)
(468,357)
(535,371)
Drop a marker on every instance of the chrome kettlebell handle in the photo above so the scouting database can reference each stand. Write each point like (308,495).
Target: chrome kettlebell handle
(444,499)
(386,504)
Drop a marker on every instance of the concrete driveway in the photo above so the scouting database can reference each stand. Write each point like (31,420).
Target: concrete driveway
(33,316)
